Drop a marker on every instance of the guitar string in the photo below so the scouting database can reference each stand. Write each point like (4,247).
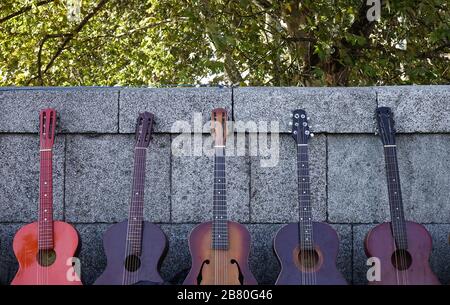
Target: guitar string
(125,261)
(139,217)
(134,204)
(42,240)
(396,225)
(221,258)
(301,224)
(307,255)
(129,262)
(301,250)
(128,258)
(41,199)
(47,223)
(38,269)
(399,234)
(393,224)
(309,222)
(402,224)
(136,207)
(216,227)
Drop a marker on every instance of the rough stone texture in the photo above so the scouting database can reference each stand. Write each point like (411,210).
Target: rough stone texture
(99,173)
(19,195)
(357,189)
(263,261)
(345,259)
(418,108)
(356,163)
(91,252)
(171,105)
(440,256)
(439,259)
(192,187)
(177,263)
(93,168)
(334,110)
(359,257)
(274,189)
(424,165)
(80,109)
(8,261)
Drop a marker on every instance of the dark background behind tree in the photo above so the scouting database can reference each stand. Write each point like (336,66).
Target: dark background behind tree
(247,42)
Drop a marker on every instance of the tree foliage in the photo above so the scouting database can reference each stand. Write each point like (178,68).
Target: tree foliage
(240,42)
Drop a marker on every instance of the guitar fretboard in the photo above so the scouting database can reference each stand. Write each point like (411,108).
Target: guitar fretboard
(45,218)
(220,219)
(304,198)
(398,223)
(136,212)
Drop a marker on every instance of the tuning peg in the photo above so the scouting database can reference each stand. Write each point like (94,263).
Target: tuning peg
(291,115)
(308,118)
(311,135)
(290,123)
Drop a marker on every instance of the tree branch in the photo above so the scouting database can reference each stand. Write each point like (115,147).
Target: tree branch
(24,10)
(77,30)
(433,52)
(39,58)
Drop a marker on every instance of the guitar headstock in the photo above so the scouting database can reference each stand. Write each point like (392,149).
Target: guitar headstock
(219,129)
(47,125)
(300,127)
(144,129)
(385,123)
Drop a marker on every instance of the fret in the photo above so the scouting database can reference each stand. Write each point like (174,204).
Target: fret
(305,223)
(220,222)
(136,210)
(45,213)
(398,222)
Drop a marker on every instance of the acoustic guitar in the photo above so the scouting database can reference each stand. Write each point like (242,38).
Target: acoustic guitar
(219,248)
(134,248)
(403,247)
(45,249)
(306,249)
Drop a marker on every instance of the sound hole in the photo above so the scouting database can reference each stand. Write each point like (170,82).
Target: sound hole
(401,259)
(308,259)
(132,263)
(46,257)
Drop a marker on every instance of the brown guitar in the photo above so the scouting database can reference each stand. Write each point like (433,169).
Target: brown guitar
(402,247)
(219,248)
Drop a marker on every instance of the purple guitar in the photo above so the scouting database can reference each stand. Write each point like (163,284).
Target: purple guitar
(134,248)
(307,250)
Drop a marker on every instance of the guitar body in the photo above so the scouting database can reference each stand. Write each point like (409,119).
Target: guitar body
(379,243)
(220,267)
(31,272)
(293,271)
(154,246)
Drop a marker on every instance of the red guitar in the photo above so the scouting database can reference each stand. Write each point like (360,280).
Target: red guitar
(45,249)
(403,247)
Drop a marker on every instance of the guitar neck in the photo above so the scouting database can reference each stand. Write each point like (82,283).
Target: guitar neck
(398,223)
(304,198)
(136,212)
(220,224)
(45,218)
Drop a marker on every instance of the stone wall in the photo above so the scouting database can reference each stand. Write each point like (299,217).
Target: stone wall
(93,167)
